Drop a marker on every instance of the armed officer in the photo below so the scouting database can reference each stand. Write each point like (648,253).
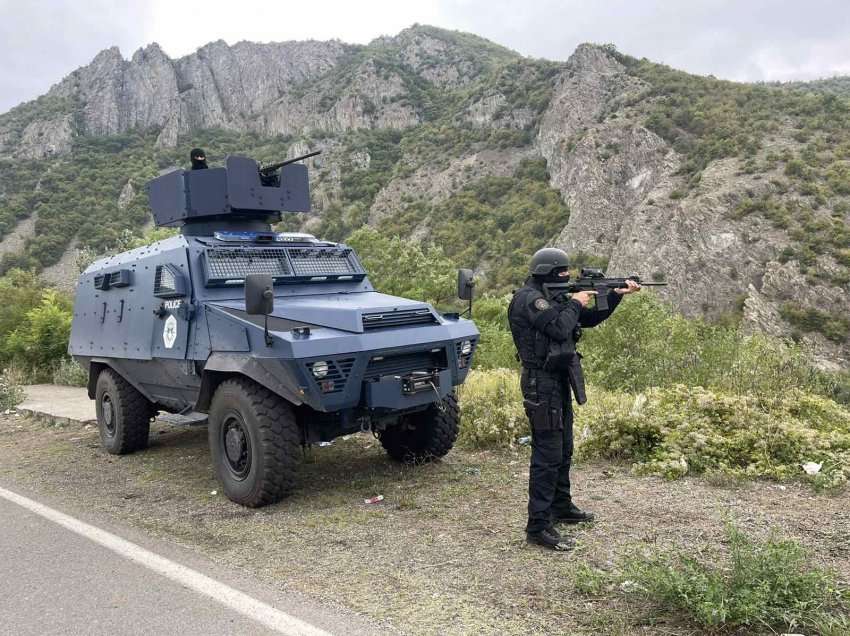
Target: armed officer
(540,321)
(198,158)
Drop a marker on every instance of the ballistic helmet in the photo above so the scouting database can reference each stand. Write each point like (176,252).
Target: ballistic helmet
(546,261)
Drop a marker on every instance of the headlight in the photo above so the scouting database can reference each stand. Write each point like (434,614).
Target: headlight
(319,369)
(466,347)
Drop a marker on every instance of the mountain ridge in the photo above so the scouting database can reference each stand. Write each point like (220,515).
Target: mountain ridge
(736,194)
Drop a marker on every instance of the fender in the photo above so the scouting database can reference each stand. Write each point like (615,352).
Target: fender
(267,372)
(97,364)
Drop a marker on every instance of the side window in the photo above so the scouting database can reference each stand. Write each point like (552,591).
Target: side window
(169,282)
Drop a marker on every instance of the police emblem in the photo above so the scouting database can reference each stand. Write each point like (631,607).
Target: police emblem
(541,304)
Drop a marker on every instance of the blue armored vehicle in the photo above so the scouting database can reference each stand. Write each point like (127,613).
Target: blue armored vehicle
(279,338)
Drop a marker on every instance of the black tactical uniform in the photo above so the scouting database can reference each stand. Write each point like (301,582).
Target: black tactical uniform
(536,321)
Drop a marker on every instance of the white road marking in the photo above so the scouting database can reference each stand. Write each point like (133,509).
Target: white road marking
(234,599)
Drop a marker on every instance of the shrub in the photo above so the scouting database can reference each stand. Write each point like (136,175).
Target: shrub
(768,583)
(11,393)
(835,328)
(404,268)
(675,431)
(42,338)
(20,291)
(496,348)
(491,409)
(66,371)
(646,343)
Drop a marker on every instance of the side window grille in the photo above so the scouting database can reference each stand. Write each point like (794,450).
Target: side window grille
(168,282)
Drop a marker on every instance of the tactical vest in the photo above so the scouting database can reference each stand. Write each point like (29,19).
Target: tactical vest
(532,345)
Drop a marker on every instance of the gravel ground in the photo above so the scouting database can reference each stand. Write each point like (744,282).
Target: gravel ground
(444,553)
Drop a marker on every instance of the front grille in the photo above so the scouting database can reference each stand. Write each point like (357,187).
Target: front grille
(334,381)
(403,318)
(405,363)
(235,263)
(322,262)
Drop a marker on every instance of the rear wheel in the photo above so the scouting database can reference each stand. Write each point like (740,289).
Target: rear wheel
(255,443)
(423,436)
(123,414)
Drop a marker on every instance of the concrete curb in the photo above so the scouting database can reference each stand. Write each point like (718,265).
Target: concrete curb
(70,406)
(54,420)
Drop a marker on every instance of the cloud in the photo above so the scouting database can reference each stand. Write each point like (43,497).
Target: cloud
(749,41)
(44,41)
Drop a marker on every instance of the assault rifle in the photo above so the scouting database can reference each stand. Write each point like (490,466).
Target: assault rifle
(267,173)
(593,280)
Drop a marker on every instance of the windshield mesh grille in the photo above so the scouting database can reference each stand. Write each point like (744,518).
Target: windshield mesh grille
(236,263)
(230,265)
(307,262)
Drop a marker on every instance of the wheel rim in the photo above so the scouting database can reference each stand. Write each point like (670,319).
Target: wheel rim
(237,446)
(108,411)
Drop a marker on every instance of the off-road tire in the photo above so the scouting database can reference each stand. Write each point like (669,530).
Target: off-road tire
(123,414)
(423,436)
(271,442)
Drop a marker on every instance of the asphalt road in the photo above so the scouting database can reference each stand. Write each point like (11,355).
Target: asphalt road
(56,580)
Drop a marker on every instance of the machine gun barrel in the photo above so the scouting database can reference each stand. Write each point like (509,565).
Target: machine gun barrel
(267,170)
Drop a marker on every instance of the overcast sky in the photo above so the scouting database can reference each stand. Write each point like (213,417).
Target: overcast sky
(41,42)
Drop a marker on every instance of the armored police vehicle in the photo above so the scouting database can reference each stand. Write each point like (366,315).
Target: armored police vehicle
(279,337)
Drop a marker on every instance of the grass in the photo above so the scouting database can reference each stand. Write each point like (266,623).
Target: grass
(443,554)
(767,584)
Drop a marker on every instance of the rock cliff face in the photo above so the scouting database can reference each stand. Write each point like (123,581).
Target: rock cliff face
(631,206)
(467,109)
(219,86)
(603,167)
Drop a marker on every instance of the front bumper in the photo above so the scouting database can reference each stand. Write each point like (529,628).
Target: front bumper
(375,380)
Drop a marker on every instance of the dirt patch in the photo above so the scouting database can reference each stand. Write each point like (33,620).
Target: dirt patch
(65,272)
(443,553)
(14,241)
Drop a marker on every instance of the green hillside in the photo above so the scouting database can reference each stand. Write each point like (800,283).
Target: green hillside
(495,222)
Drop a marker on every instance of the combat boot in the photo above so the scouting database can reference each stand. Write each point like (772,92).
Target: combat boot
(550,538)
(573,514)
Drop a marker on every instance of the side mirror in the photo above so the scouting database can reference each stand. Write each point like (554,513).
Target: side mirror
(465,283)
(259,294)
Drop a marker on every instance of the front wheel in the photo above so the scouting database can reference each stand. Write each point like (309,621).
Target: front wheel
(423,436)
(255,443)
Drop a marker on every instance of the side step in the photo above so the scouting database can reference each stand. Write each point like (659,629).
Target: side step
(192,418)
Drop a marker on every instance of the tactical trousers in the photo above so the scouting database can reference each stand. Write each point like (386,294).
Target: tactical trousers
(548,405)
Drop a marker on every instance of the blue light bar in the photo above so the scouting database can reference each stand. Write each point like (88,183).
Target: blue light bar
(264,237)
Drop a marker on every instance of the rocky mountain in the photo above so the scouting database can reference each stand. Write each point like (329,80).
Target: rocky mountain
(735,194)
